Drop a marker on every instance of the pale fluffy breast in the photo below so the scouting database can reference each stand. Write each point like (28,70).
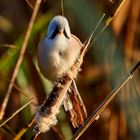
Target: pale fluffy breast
(57,56)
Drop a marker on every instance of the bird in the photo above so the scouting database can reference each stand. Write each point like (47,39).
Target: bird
(56,54)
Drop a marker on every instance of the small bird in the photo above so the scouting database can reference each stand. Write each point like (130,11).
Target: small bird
(56,54)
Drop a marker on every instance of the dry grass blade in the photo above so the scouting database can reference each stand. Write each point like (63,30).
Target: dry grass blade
(8,131)
(21,56)
(35,136)
(13,47)
(23,130)
(25,94)
(9,46)
(108,21)
(16,112)
(62,7)
(28,2)
(104,103)
(96,27)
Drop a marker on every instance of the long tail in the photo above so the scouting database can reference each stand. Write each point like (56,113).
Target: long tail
(73,104)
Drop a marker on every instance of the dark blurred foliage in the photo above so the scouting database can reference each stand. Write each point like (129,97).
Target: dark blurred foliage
(105,64)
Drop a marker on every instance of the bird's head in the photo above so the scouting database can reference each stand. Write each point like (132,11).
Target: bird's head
(58,25)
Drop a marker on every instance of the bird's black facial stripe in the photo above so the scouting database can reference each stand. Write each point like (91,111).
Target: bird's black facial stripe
(56,31)
(65,34)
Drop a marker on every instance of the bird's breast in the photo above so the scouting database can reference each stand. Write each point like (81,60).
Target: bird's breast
(53,60)
(55,57)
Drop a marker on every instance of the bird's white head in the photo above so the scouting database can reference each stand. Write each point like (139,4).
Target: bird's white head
(58,25)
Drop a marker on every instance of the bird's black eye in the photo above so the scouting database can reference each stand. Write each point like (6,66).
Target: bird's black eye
(56,31)
(65,34)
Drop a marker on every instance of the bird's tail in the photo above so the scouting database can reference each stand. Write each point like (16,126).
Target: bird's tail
(74,104)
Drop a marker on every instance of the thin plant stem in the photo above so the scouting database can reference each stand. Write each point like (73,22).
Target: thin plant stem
(16,112)
(62,7)
(96,27)
(23,130)
(15,86)
(8,131)
(29,3)
(93,32)
(104,103)
(9,46)
(108,21)
(14,47)
(35,136)
(21,56)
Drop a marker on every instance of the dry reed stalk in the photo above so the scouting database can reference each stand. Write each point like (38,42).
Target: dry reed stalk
(109,20)
(23,130)
(19,61)
(16,112)
(30,5)
(105,102)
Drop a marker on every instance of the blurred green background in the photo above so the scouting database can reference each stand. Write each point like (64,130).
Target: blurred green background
(105,64)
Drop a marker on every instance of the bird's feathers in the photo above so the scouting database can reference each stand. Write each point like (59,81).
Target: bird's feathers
(56,54)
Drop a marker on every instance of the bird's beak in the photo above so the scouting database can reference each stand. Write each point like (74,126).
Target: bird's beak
(61,31)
